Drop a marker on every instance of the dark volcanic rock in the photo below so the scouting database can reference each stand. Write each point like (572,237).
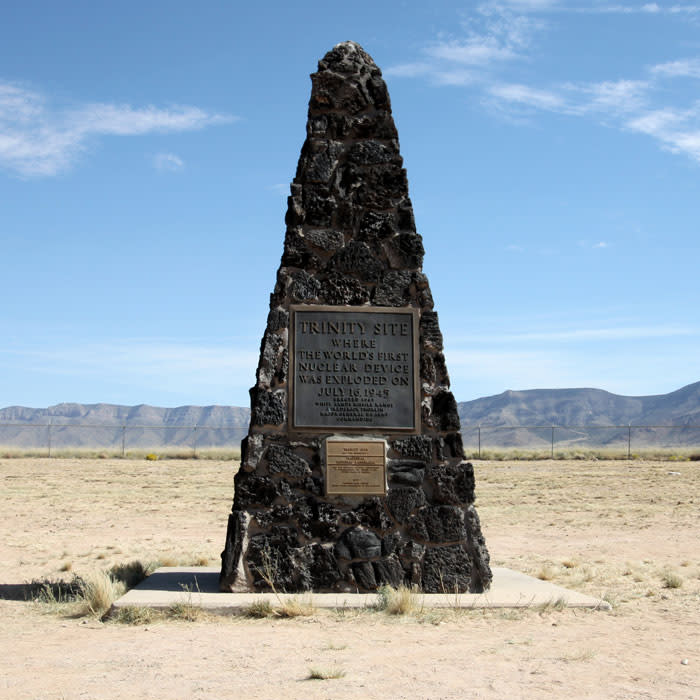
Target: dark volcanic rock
(394,289)
(431,336)
(339,289)
(356,259)
(232,549)
(371,512)
(324,239)
(453,445)
(453,484)
(325,520)
(406,473)
(403,500)
(437,524)
(446,570)
(388,571)
(253,490)
(407,251)
(267,407)
(282,460)
(479,554)
(376,226)
(445,412)
(322,566)
(364,575)
(273,561)
(297,254)
(417,446)
(304,287)
(362,544)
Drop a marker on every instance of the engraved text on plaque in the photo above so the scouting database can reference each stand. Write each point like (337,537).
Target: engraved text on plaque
(355,467)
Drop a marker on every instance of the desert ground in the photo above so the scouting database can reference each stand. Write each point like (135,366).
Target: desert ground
(628,532)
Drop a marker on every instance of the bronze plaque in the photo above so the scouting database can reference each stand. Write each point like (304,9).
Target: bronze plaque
(354,368)
(355,467)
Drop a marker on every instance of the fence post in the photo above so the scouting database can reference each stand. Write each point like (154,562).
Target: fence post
(629,441)
(49,436)
(194,441)
(479,430)
(552,442)
(123,440)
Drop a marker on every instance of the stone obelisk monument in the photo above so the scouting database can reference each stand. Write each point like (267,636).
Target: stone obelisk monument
(352,473)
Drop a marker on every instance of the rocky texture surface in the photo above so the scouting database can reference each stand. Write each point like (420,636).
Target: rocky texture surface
(351,240)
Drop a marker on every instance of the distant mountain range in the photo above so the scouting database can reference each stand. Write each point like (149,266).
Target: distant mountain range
(583,407)
(116,415)
(87,425)
(484,420)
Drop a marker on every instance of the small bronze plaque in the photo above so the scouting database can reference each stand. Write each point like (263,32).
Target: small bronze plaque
(355,467)
(354,368)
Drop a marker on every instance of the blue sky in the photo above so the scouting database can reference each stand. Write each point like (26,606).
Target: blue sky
(146,148)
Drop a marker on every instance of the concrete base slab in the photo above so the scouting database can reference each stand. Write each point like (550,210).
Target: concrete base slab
(199,586)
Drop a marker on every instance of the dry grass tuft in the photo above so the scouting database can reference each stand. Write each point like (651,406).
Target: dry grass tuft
(99,592)
(554,604)
(546,572)
(398,601)
(92,594)
(185,610)
(260,609)
(583,655)
(324,673)
(135,615)
(131,574)
(293,607)
(672,580)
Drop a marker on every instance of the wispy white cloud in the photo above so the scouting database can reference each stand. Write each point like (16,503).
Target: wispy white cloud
(36,140)
(496,33)
(532,97)
(677,130)
(409,70)
(454,77)
(648,8)
(530,5)
(606,99)
(595,245)
(168,162)
(499,33)
(613,96)
(476,51)
(684,68)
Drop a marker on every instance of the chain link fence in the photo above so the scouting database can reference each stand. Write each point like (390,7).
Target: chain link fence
(573,440)
(53,439)
(480,441)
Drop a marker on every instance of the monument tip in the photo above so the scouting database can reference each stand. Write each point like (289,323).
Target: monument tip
(347,57)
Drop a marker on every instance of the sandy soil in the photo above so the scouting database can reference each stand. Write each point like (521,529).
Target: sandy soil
(619,530)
